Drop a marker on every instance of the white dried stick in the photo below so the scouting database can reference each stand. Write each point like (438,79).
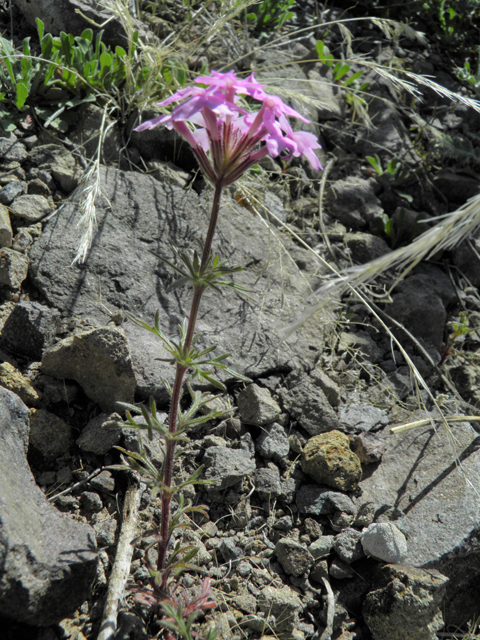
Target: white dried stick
(123,558)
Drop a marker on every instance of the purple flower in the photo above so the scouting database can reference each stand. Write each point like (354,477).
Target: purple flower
(229,134)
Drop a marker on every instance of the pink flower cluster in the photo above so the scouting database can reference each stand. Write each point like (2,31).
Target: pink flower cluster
(229,134)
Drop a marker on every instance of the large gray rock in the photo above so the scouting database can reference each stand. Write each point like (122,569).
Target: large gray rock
(420,474)
(29,328)
(122,273)
(353,202)
(405,604)
(73,16)
(413,301)
(47,561)
(99,360)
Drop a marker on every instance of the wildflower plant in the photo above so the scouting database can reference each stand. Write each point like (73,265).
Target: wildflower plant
(227,139)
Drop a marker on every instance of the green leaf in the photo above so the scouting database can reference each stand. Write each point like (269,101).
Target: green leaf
(352,78)
(21,95)
(342,71)
(40,27)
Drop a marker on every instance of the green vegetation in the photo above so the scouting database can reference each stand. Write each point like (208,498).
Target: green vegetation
(269,15)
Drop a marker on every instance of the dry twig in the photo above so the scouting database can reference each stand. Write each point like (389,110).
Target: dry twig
(121,568)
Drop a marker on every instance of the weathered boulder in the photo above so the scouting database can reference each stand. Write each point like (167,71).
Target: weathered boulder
(99,360)
(405,604)
(47,561)
(136,215)
(420,475)
(30,328)
(73,16)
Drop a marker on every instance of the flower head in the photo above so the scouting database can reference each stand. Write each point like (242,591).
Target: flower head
(234,138)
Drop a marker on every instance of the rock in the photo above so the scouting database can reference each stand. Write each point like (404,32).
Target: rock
(169,173)
(267,483)
(420,476)
(389,138)
(91,501)
(361,417)
(99,360)
(340,570)
(273,442)
(294,557)
(405,604)
(328,459)
(101,434)
(128,228)
(11,191)
(5,228)
(321,501)
(368,447)
(12,379)
(456,187)
(58,160)
(319,571)
(341,520)
(30,328)
(384,541)
(353,202)
(22,241)
(362,342)
(12,150)
(347,545)
(365,247)
(38,187)
(130,625)
(365,515)
(225,467)
(103,482)
(74,16)
(284,604)
(50,436)
(285,523)
(330,388)
(229,549)
(308,404)
(86,132)
(106,531)
(13,268)
(48,560)
(413,300)
(256,406)
(465,258)
(321,547)
(31,208)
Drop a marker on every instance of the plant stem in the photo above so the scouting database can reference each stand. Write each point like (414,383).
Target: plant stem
(166,495)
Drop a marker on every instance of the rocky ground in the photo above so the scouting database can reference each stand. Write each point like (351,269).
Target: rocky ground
(321,522)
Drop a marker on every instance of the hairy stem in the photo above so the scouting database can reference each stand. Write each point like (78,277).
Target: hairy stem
(198,290)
